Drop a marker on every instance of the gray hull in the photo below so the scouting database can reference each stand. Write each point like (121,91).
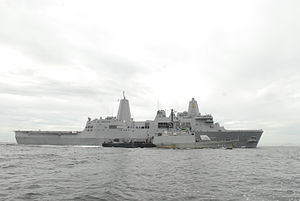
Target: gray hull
(198,145)
(55,138)
(244,138)
(241,138)
(190,141)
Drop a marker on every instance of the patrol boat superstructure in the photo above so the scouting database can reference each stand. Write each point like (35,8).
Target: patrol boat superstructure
(124,127)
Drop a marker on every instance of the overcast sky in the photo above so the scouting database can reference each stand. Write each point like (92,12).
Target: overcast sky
(64,61)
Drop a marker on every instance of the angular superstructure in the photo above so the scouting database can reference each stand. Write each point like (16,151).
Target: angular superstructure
(124,110)
(193,108)
(123,127)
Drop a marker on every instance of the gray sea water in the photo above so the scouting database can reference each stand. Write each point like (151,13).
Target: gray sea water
(96,173)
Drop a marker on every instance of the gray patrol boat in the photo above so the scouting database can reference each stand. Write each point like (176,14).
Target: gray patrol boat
(123,127)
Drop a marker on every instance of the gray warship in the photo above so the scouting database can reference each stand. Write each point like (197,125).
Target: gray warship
(123,127)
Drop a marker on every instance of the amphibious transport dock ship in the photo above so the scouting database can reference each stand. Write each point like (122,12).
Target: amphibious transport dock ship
(123,127)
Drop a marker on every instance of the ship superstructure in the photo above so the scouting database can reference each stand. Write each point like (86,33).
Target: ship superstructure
(123,127)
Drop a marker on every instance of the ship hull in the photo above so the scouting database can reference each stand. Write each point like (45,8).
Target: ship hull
(51,140)
(247,139)
(56,138)
(200,145)
(189,142)
(244,138)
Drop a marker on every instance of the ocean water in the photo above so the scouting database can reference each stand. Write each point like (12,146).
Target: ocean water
(96,173)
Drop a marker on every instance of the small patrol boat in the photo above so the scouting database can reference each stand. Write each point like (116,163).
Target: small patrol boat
(129,144)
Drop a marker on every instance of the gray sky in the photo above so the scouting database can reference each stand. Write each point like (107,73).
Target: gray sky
(62,61)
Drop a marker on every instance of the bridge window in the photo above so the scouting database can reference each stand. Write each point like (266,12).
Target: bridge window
(112,126)
(165,125)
